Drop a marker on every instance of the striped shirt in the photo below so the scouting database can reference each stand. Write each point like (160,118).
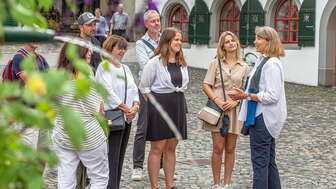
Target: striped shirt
(87,108)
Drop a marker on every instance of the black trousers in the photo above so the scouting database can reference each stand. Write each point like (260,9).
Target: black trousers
(117,144)
(121,33)
(265,171)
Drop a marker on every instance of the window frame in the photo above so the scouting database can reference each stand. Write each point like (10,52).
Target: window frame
(182,21)
(229,21)
(292,6)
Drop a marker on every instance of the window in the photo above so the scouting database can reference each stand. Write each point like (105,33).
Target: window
(179,19)
(229,18)
(287,21)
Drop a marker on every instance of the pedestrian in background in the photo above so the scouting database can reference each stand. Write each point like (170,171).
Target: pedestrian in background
(234,73)
(264,108)
(165,77)
(115,80)
(93,152)
(144,49)
(119,22)
(87,26)
(102,28)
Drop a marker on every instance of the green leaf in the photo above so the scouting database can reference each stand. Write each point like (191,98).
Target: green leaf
(9,89)
(73,125)
(103,124)
(101,90)
(45,4)
(28,64)
(56,82)
(72,6)
(82,87)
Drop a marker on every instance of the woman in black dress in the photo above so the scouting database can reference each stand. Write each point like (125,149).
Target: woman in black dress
(166,77)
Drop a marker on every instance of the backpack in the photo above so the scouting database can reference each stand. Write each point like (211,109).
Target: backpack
(7,71)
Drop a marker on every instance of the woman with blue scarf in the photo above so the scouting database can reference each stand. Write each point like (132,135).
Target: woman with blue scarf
(264,108)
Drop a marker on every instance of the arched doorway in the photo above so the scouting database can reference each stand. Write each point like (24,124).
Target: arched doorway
(327,54)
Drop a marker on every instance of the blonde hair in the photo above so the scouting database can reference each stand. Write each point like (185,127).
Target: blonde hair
(221,52)
(163,48)
(274,47)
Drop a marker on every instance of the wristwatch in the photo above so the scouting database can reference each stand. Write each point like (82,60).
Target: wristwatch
(248,96)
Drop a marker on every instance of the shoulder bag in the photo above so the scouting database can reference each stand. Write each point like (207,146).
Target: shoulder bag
(211,113)
(115,117)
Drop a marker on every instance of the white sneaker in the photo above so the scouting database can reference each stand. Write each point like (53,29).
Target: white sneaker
(137,174)
(216,186)
(227,186)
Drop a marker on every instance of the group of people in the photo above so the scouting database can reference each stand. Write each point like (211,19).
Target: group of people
(118,24)
(163,74)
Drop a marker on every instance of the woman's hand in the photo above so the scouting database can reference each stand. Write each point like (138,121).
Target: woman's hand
(220,102)
(237,94)
(228,105)
(130,115)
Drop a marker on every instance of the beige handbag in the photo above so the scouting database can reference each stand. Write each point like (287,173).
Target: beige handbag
(211,113)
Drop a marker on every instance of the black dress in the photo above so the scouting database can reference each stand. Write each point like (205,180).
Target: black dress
(175,106)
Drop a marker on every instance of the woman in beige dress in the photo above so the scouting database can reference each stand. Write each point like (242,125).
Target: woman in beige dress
(234,73)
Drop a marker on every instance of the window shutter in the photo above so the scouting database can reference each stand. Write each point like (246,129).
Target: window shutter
(199,20)
(307,23)
(251,15)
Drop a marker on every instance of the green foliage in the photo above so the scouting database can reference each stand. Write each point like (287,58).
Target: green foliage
(35,105)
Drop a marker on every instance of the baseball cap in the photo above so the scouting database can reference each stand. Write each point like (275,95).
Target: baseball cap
(86,18)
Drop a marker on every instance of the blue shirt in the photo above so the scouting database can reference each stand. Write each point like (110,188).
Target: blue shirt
(143,52)
(101,27)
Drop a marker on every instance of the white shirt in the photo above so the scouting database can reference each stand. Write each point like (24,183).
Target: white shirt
(156,78)
(113,80)
(271,95)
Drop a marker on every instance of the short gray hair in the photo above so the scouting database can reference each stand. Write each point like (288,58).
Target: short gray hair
(149,12)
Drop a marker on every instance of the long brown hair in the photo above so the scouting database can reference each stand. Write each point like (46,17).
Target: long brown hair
(64,62)
(163,48)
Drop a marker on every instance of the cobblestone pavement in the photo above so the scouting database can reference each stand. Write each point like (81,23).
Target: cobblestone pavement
(306,149)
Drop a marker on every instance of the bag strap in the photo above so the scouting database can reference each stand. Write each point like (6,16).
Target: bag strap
(148,44)
(125,83)
(222,80)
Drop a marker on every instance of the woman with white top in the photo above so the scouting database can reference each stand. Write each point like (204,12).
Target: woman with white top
(114,81)
(264,108)
(93,152)
(165,76)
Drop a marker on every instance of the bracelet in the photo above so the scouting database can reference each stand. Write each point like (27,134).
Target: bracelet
(214,98)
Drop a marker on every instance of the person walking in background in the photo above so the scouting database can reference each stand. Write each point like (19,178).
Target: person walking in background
(115,81)
(93,152)
(144,51)
(87,26)
(165,77)
(119,22)
(234,73)
(102,28)
(264,108)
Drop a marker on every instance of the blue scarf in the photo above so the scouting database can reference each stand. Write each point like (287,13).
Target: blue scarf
(253,89)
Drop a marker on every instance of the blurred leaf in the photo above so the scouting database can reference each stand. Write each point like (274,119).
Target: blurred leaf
(101,90)
(73,125)
(103,124)
(72,6)
(79,64)
(47,109)
(56,81)
(82,87)
(28,64)
(9,89)
(45,4)
(105,65)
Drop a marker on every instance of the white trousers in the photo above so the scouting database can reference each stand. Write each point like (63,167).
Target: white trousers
(96,162)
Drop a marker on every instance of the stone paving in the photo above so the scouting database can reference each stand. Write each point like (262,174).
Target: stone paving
(306,149)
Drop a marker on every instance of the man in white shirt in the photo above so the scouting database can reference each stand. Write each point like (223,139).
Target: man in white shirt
(144,51)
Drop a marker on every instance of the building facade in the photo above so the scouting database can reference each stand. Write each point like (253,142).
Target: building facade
(307,29)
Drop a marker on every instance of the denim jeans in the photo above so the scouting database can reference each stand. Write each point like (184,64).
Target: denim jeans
(265,171)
